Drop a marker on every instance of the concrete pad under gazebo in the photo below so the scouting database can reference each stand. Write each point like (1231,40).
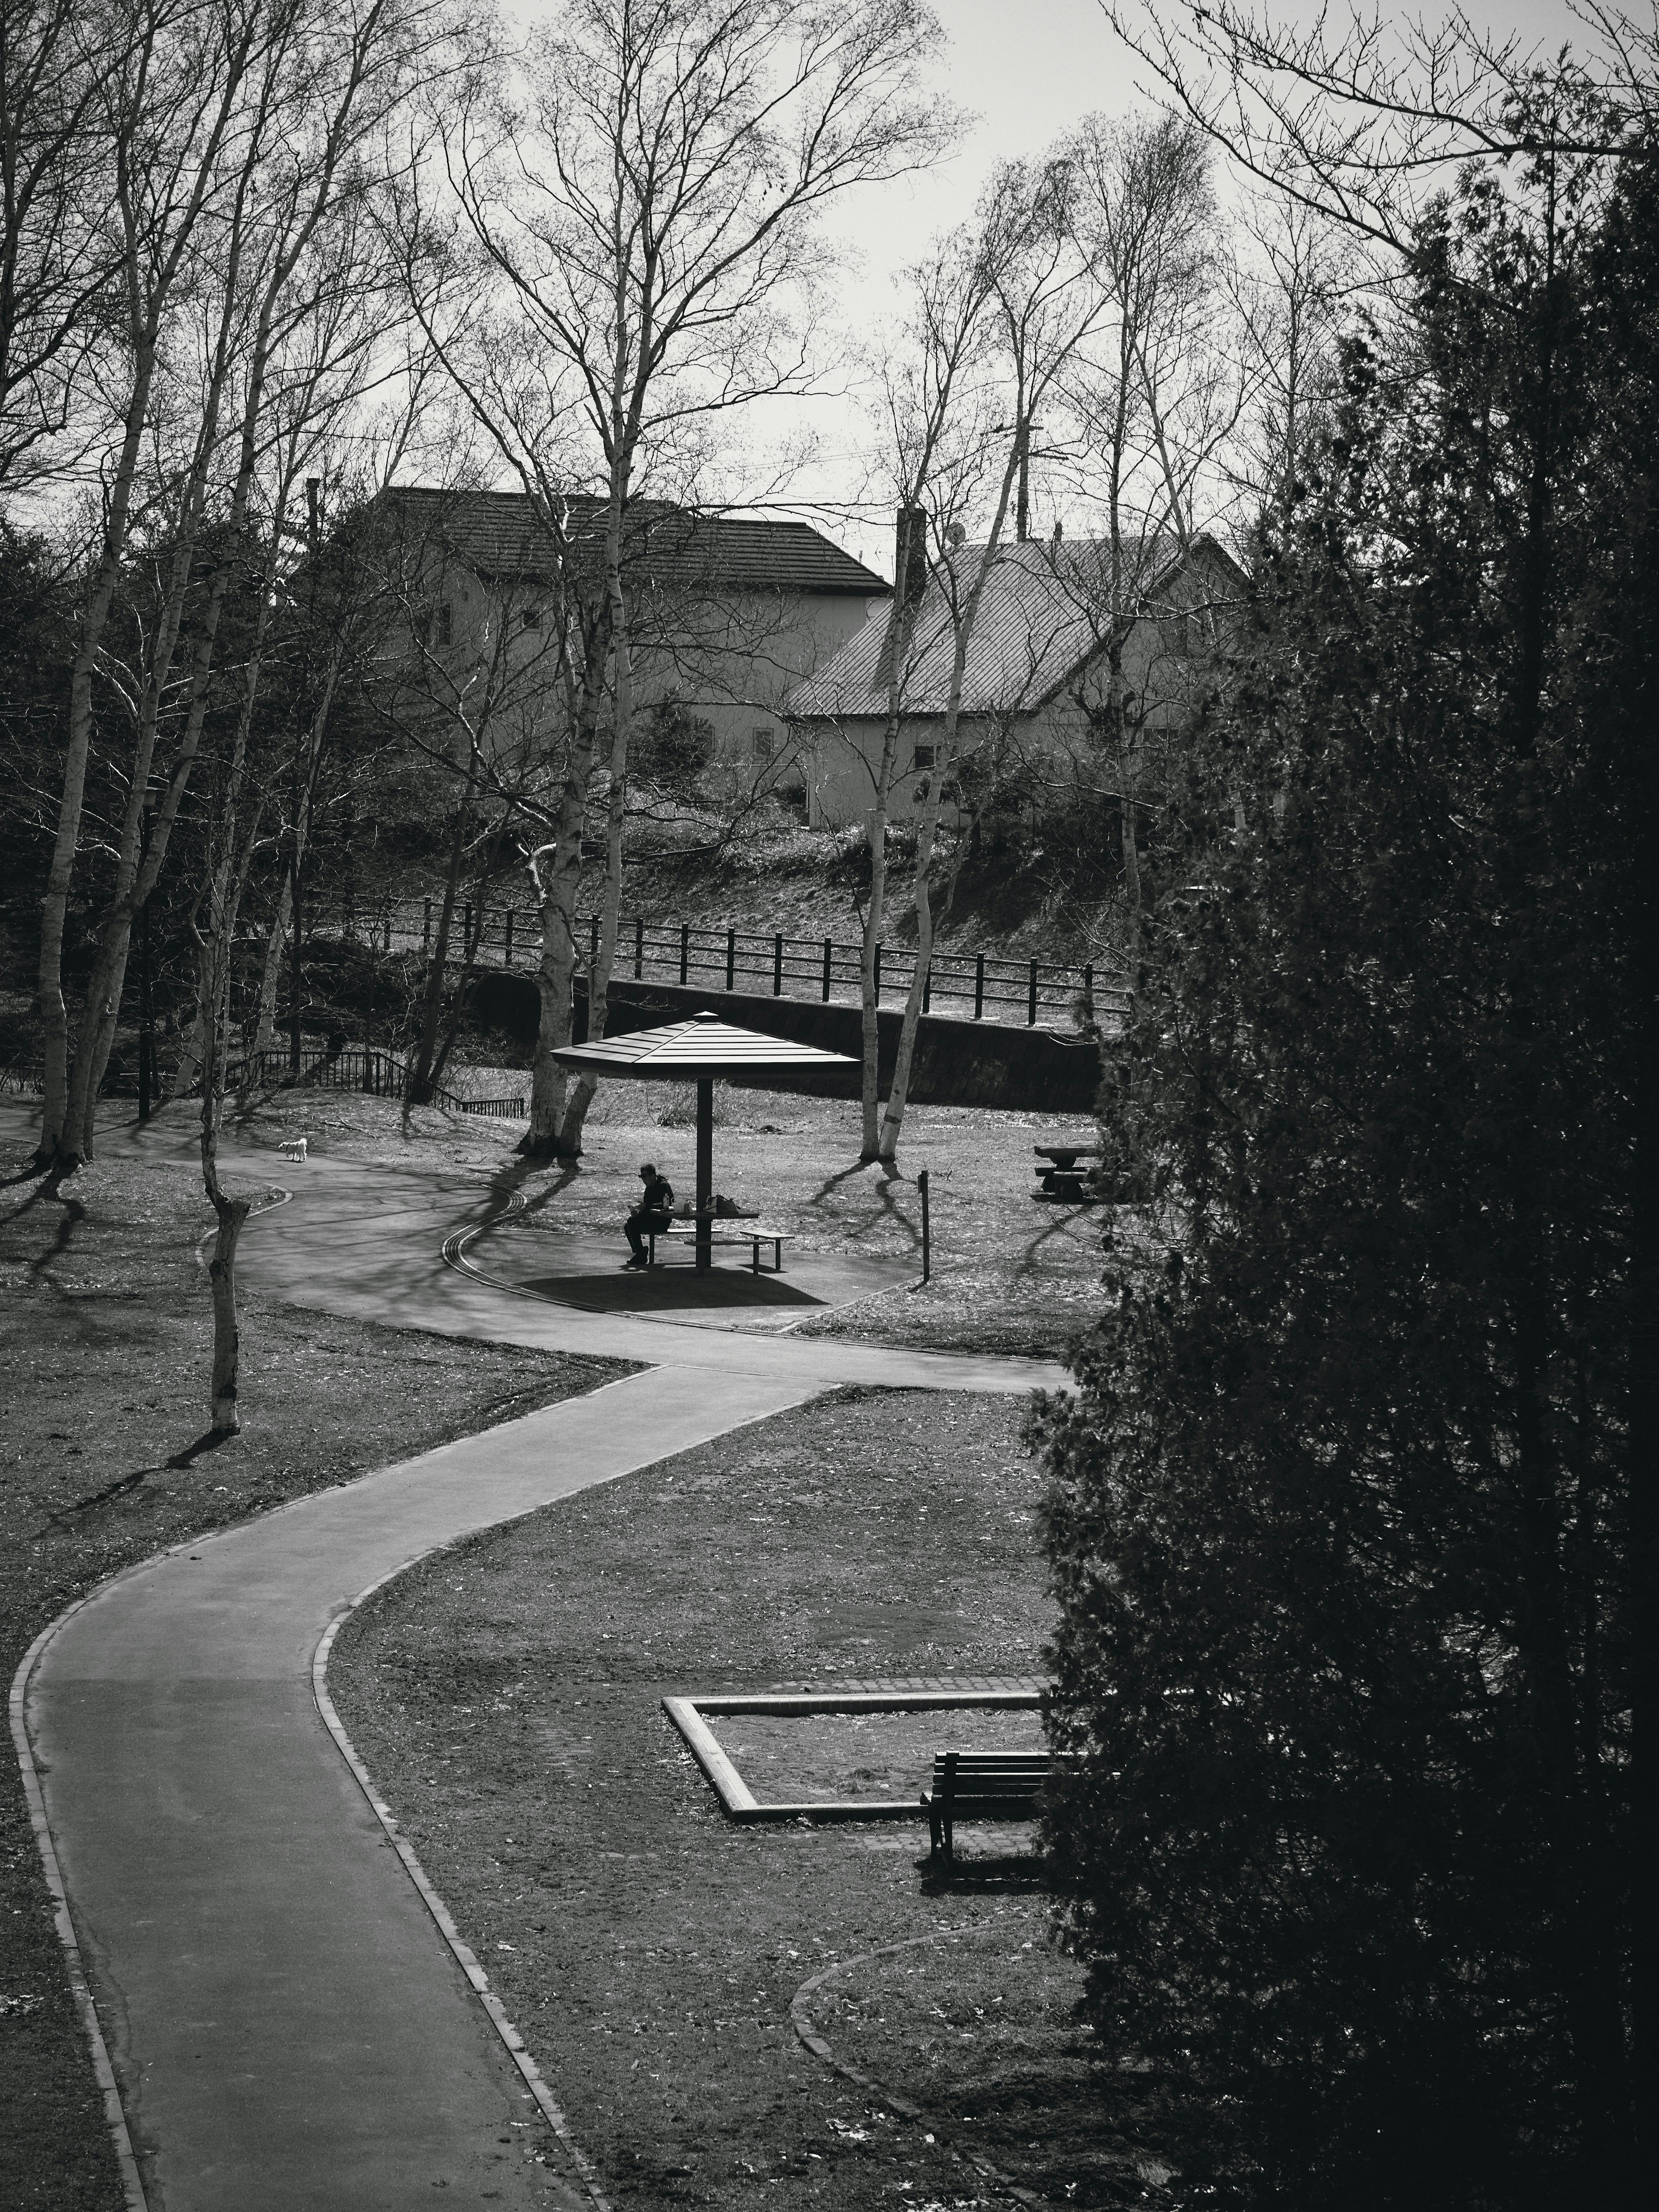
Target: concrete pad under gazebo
(699,1051)
(577,1267)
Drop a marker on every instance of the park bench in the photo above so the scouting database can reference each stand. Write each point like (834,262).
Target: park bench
(984,1785)
(725,1228)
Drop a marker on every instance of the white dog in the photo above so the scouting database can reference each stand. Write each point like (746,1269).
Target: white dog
(294,1149)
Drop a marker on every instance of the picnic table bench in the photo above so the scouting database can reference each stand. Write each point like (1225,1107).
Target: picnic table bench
(985,1785)
(682,1225)
(1063,1181)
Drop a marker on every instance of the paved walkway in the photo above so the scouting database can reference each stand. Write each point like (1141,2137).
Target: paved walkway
(288,2030)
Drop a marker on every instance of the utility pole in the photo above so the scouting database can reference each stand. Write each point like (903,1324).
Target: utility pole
(302,795)
(296,984)
(147,1085)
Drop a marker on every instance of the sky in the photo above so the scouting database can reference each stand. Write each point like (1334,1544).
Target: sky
(1026,70)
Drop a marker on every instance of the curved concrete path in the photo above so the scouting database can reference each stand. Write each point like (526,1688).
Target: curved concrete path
(288,2029)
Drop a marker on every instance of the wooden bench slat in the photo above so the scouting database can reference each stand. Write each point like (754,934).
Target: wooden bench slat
(685,1232)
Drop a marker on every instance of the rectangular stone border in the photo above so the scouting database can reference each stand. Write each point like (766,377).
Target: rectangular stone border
(688,1715)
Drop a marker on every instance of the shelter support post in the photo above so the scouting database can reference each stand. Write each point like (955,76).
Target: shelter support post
(705,1171)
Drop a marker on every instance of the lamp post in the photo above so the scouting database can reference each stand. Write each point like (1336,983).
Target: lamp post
(147,1083)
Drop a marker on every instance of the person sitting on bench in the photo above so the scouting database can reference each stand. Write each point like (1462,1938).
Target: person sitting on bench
(651,1216)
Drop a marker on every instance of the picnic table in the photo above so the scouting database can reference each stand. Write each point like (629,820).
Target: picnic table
(1063,1182)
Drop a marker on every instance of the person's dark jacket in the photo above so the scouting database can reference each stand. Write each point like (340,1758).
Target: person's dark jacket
(658,1195)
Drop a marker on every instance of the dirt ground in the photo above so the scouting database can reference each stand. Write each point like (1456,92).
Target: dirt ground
(105,1330)
(507,1696)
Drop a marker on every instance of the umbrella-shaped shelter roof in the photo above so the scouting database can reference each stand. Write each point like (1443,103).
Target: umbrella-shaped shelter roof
(694,1051)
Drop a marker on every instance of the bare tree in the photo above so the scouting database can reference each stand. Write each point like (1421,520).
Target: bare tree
(1044,301)
(1288,292)
(315,375)
(933,416)
(1154,405)
(231,145)
(647,207)
(1361,116)
(58,252)
(470,685)
(175,110)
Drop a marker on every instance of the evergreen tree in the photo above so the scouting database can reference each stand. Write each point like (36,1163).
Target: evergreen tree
(1351,1519)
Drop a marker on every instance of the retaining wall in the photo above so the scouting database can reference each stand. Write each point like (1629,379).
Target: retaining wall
(957,1063)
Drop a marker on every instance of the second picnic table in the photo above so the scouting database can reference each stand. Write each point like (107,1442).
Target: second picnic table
(1063,1182)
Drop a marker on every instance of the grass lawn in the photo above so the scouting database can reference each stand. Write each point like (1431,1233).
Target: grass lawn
(506,1696)
(104,1332)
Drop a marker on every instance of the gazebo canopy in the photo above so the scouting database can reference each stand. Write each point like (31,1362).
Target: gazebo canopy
(698,1051)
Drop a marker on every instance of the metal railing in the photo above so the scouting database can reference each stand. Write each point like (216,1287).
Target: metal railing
(977,986)
(365,1068)
(355,1067)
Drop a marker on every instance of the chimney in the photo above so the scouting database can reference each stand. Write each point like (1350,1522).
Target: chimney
(909,582)
(910,557)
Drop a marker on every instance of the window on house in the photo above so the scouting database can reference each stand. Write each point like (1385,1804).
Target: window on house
(532,617)
(443,626)
(925,757)
(762,743)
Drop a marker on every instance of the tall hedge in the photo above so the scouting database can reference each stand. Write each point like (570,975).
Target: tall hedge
(1351,1518)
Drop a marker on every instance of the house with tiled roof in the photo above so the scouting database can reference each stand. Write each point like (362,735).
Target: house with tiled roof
(1037,669)
(728,613)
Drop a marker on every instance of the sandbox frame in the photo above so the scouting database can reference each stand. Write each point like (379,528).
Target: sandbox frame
(690,1716)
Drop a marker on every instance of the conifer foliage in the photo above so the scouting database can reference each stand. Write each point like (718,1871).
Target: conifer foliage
(1351,1516)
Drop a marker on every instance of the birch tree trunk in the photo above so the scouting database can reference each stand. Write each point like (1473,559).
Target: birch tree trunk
(911,544)
(1129,782)
(264,1023)
(556,885)
(282,921)
(898,1089)
(621,697)
(965,616)
(874,919)
(224,1417)
(421,1077)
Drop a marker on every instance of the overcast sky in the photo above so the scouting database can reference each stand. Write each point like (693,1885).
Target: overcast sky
(1027,70)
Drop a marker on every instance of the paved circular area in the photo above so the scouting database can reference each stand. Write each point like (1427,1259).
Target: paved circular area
(287,2028)
(575,1267)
